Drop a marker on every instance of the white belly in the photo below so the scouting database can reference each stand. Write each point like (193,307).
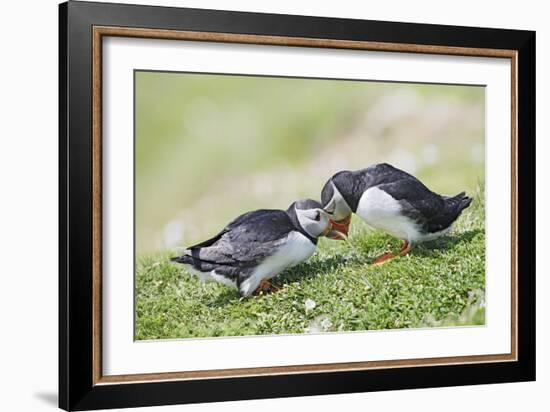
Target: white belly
(383,212)
(294,250)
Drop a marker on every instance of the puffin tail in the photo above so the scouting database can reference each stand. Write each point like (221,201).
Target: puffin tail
(184,259)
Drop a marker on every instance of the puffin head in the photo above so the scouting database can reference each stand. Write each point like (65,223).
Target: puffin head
(335,204)
(313,219)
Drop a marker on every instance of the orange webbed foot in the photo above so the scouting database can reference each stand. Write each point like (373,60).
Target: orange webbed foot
(405,248)
(266,287)
(383,258)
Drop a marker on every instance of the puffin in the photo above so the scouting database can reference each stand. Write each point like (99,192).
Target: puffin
(393,201)
(258,245)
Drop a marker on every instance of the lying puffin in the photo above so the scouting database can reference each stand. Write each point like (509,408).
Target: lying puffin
(258,245)
(391,200)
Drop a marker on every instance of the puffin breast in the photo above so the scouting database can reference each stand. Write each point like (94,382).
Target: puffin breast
(381,211)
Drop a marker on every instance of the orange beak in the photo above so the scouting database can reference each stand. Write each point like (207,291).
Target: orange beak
(339,230)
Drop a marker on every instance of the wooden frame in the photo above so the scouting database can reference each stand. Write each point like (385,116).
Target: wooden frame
(82,27)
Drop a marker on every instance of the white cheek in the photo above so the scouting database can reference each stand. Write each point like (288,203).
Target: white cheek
(331,206)
(342,209)
(301,217)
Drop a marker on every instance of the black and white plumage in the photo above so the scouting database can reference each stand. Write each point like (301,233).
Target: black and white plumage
(392,200)
(258,245)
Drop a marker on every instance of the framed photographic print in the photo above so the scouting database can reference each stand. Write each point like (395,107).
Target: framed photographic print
(256,205)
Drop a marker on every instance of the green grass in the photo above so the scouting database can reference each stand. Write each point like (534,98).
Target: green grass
(440,283)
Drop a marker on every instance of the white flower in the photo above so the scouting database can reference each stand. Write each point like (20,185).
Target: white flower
(313,328)
(310,304)
(319,325)
(326,324)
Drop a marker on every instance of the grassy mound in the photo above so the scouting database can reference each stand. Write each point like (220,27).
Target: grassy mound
(441,283)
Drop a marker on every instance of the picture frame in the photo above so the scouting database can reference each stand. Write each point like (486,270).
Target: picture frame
(84,26)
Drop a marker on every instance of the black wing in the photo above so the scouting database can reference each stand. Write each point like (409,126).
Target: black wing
(431,210)
(417,201)
(246,241)
(382,173)
(242,219)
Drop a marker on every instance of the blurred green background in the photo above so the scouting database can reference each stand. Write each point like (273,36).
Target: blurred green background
(210,147)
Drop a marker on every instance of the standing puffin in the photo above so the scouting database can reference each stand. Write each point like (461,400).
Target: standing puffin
(258,245)
(391,200)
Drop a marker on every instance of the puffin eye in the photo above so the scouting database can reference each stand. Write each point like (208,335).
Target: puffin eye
(317,216)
